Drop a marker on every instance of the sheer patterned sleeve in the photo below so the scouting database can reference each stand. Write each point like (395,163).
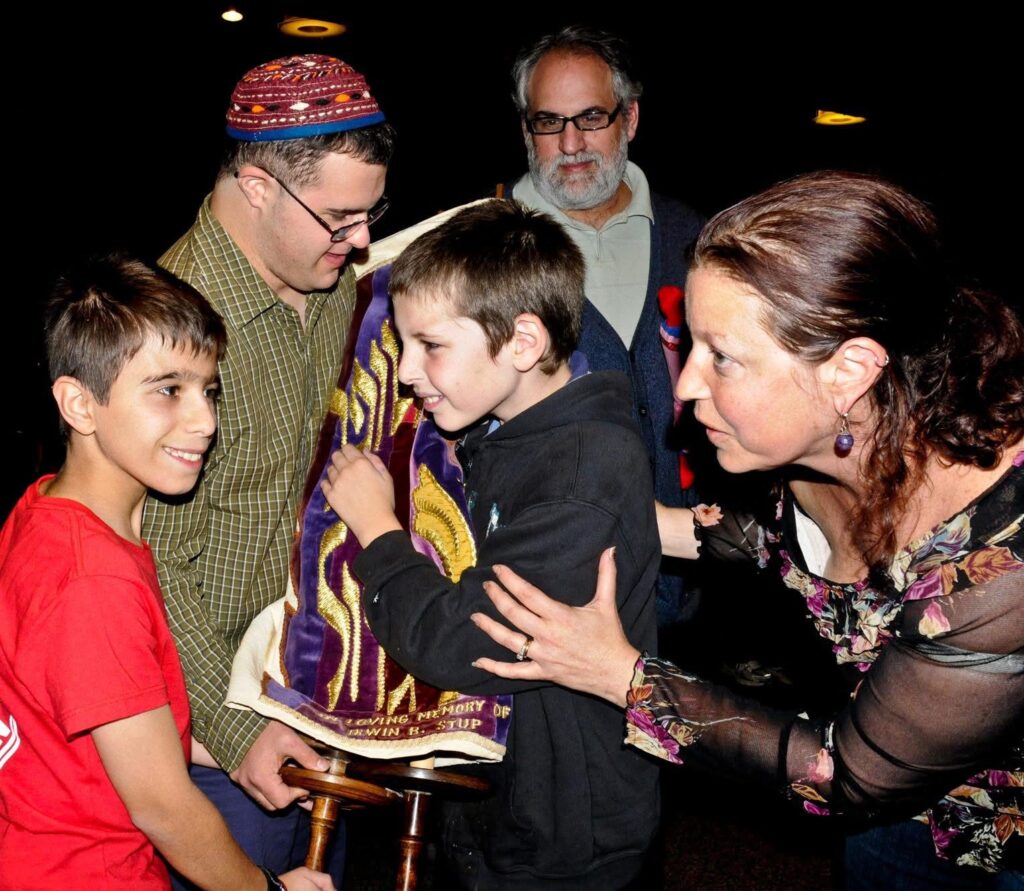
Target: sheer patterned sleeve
(943,702)
(731,536)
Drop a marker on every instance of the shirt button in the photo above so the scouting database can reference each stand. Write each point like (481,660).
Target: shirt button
(642,411)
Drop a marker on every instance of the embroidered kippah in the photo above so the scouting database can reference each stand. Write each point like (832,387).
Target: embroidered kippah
(300,96)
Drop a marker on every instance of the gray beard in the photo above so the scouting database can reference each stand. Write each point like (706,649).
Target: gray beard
(579,193)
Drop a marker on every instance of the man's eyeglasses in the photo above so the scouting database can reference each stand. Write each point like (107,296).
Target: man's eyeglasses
(550,124)
(341,232)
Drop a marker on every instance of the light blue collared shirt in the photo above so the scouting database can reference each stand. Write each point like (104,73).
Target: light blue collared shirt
(618,255)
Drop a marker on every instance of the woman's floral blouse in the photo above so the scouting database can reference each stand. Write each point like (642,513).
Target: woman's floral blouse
(938,656)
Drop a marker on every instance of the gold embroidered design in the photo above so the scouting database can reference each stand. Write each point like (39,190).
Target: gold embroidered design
(381,679)
(439,521)
(379,368)
(339,405)
(389,346)
(364,391)
(342,613)
(396,696)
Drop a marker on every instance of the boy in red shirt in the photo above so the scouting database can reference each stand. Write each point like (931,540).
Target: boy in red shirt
(94,723)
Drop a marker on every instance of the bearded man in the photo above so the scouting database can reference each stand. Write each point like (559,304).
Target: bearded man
(579,104)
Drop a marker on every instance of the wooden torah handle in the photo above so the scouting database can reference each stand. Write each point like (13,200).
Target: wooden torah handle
(418,783)
(332,791)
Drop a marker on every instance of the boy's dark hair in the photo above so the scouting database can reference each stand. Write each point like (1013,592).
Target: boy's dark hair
(101,312)
(494,261)
(297,161)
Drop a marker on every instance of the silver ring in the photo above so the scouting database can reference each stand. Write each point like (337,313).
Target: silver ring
(524,649)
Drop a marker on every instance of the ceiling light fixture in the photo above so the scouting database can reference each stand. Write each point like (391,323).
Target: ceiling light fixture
(300,27)
(836,119)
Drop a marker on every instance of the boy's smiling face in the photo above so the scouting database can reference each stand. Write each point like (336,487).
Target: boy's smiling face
(446,361)
(159,418)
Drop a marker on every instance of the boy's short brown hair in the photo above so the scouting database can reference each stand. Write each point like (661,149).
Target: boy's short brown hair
(101,312)
(494,261)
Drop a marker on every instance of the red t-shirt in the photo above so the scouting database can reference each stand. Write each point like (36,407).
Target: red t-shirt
(83,641)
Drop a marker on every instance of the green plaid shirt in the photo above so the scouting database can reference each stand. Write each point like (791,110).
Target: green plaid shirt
(223,554)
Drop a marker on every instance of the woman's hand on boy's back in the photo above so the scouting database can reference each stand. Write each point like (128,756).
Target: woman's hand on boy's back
(361,492)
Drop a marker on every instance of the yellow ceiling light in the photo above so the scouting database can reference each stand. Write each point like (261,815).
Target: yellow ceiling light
(231,15)
(836,118)
(299,27)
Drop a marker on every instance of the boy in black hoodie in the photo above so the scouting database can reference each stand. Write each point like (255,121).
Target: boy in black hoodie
(488,307)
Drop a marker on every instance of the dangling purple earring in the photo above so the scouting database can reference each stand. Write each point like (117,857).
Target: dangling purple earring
(844,439)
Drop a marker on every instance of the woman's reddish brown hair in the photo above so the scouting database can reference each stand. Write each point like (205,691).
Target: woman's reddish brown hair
(839,255)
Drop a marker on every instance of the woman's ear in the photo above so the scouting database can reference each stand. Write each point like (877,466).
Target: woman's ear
(852,371)
(75,404)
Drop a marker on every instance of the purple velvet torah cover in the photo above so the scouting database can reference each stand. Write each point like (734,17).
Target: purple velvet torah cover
(336,674)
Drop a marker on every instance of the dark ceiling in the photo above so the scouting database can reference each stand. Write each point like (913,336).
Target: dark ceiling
(137,104)
(115,120)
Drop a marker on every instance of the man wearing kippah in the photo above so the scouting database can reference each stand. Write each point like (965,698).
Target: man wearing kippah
(578,98)
(299,188)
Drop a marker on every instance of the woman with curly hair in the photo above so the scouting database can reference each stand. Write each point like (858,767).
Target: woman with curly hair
(830,343)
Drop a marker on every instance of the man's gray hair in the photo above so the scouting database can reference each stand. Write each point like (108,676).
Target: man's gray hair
(581,41)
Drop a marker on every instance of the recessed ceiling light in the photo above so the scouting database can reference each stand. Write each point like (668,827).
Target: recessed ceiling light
(231,15)
(299,27)
(836,118)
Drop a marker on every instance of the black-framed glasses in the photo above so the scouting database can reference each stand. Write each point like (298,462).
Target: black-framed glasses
(341,232)
(550,124)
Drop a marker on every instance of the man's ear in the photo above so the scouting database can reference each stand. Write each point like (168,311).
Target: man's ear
(527,135)
(254,183)
(632,113)
(75,403)
(852,371)
(529,341)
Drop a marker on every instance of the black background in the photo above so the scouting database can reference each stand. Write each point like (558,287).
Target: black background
(114,121)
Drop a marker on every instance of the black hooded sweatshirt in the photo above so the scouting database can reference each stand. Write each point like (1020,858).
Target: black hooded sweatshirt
(548,491)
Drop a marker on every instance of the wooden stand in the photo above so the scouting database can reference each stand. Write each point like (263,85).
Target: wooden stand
(418,784)
(332,791)
(352,785)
